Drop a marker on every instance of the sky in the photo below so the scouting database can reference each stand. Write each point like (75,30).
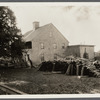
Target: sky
(79,24)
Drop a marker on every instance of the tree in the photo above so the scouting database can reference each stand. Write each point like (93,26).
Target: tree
(11,43)
(85,55)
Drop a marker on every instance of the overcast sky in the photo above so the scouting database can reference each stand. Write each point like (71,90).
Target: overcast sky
(79,24)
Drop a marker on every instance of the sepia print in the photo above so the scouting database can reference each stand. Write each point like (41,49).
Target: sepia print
(49,49)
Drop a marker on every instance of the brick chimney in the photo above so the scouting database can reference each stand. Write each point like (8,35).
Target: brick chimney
(35,25)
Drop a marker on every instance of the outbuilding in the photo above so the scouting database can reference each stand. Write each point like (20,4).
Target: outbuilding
(83,51)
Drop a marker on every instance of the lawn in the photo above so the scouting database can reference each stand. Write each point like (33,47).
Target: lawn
(33,81)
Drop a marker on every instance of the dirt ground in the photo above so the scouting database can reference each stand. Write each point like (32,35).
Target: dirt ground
(32,81)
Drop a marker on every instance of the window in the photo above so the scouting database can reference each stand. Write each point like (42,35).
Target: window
(55,46)
(42,46)
(50,34)
(28,45)
(63,46)
(42,57)
(55,56)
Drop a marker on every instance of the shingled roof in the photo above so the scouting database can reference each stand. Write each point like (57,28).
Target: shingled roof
(30,35)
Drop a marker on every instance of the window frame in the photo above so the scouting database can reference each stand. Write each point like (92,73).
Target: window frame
(42,45)
(63,45)
(50,34)
(55,46)
(28,45)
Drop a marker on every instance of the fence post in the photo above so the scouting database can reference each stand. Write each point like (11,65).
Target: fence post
(77,70)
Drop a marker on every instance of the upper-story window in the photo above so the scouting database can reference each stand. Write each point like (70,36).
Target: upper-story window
(28,45)
(55,46)
(50,34)
(42,45)
(63,46)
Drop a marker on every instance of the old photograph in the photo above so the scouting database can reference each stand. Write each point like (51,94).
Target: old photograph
(49,48)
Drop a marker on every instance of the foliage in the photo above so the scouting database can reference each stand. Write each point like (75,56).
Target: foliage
(86,55)
(10,39)
(17,48)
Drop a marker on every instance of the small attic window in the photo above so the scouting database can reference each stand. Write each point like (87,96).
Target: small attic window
(28,45)
(50,34)
(63,46)
(42,45)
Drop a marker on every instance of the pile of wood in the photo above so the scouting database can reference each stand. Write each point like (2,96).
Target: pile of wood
(74,67)
(46,66)
(93,72)
(54,66)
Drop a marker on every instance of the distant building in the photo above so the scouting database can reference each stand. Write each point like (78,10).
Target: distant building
(45,43)
(97,55)
(81,51)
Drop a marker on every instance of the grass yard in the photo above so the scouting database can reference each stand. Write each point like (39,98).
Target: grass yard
(33,81)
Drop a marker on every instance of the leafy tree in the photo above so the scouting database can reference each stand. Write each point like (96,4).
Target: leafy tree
(85,55)
(17,48)
(11,44)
